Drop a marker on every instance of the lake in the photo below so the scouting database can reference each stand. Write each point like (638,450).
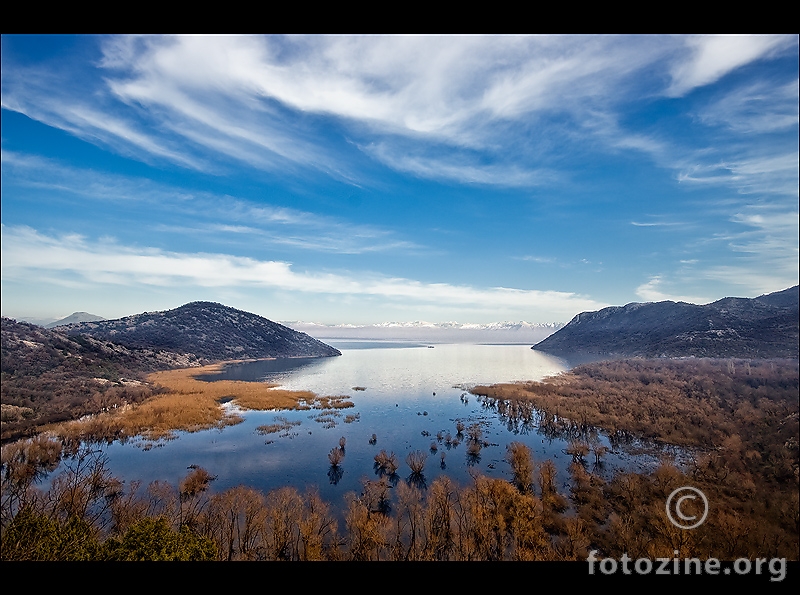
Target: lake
(407,393)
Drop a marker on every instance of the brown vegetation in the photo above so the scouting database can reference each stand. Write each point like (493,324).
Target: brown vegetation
(88,514)
(521,460)
(741,416)
(386,462)
(748,471)
(281,425)
(183,402)
(49,377)
(416,461)
(335,456)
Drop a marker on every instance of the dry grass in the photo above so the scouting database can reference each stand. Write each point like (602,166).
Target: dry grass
(192,405)
(258,396)
(282,425)
(340,402)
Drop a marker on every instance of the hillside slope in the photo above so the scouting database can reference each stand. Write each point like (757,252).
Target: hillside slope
(208,330)
(766,326)
(49,377)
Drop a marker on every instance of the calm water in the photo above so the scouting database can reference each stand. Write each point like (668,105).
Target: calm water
(411,393)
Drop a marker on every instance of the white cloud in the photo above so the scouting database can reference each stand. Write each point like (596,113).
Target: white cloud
(28,254)
(652,291)
(712,57)
(260,100)
(657,223)
(32,94)
(248,97)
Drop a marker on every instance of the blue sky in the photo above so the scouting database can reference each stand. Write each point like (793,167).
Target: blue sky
(364,179)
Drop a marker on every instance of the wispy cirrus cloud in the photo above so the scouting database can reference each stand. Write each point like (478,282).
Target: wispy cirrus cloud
(766,248)
(202,213)
(461,169)
(657,223)
(31,93)
(759,107)
(765,258)
(767,170)
(257,100)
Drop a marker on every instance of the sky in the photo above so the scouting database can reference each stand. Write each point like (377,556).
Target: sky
(367,179)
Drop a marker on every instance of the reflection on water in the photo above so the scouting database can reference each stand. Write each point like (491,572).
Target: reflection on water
(263,370)
(408,399)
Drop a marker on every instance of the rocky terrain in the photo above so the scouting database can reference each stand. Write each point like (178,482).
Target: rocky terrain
(762,327)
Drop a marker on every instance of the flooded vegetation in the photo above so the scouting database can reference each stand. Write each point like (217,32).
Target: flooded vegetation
(184,402)
(544,470)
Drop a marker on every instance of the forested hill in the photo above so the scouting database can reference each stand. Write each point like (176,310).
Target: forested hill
(208,330)
(762,327)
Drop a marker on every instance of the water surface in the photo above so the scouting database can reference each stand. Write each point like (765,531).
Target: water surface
(403,394)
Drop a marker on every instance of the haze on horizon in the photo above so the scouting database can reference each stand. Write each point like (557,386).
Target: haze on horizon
(361,180)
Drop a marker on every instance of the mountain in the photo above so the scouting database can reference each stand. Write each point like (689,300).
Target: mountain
(766,326)
(208,330)
(432,332)
(73,318)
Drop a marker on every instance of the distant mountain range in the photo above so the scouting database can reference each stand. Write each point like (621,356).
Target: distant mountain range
(208,330)
(766,326)
(73,318)
(441,332)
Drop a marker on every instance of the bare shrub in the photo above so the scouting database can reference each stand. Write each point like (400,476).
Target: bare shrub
(598,449)
(578,449)
(24,463)
(387,462)
(475,432)
(335,456)
(317,527)
(519,457)
(416,461)
(283,512)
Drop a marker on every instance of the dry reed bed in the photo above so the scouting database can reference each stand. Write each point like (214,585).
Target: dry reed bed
(192,405)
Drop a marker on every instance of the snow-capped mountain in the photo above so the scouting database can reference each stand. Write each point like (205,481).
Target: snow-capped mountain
(432,332)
